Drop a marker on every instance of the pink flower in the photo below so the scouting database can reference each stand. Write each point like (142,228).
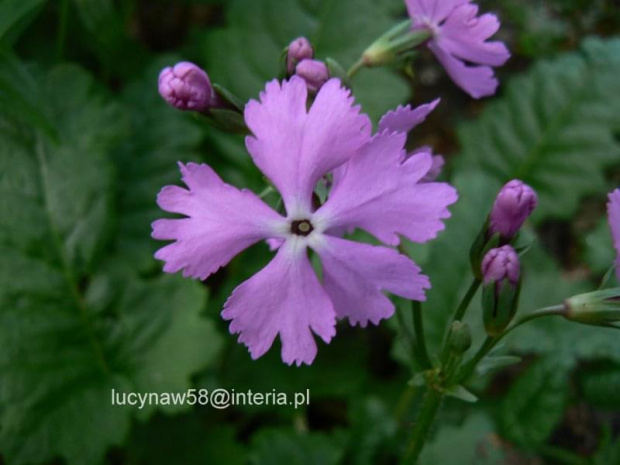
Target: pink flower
(459,35)
(613,212)
(374,188)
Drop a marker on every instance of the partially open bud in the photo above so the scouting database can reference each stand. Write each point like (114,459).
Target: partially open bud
(514,203)
(501,272)
(391,46)
(599,308)
(459,338)
(185,86)
(314,72)
(297,51)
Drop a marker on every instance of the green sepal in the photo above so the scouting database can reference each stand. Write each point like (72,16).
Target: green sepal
(337,71)
(499,305)
(228,97)
(459,392)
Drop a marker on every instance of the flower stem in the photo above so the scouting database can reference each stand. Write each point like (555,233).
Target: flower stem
(418,328)
(471,292)
(355,68)
(428,412)
(491,341)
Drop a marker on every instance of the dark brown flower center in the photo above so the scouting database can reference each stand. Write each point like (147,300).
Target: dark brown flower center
(301,227)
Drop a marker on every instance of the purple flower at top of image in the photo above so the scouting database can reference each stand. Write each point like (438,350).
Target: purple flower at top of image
(375,187)
(186,86)
(513,205)
(460,42)
(613,212)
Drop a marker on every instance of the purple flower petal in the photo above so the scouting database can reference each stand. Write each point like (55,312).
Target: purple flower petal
(355,274)
(404,119)
(285,298)
(613,212)
(294,148)
(477,81)
(222,221)
(463,35)
(432,10)
(380,192)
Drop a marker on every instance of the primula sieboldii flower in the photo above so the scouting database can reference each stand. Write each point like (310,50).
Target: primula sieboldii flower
(459,35)
(613,211)
(375,188)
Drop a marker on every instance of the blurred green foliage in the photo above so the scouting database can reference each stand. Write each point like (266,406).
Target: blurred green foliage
(86,143)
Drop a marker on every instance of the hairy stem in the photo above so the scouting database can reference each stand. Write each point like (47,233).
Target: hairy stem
(418,328)
(359,64)
(428,413)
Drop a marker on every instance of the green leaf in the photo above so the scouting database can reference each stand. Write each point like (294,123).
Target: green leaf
(245,54)
(68,335)
(599,384)
(553,129)
(12,11)
(188,439)
(535,403)
(275,447)
(108,38)
(373,432)
(468,444)
(608,453)
(160,136)
(19,95)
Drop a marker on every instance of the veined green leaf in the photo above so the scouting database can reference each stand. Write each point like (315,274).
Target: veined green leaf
(535,403)
(554,128)
(69,335)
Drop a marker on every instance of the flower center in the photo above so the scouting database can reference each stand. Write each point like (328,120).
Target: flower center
(301,227)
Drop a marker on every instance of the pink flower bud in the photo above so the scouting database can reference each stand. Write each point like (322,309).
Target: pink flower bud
(501,264)
(314,72)
(298,50)
(185,86)
(514,203)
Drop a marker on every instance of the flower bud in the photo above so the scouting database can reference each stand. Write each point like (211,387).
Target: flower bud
(599,308)
(514,203)
(500,293)
(297,51)
(459,337)
(314,72)
(185,86)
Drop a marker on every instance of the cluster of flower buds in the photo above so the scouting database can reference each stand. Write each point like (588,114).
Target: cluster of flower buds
(494,259)
(300,61)
(514,203)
